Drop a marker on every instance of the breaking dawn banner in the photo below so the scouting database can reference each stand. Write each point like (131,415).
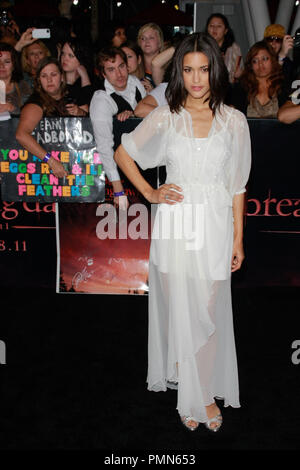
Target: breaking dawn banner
(87,254)
(25,177)
(103,250)
(27,245)
(272,222)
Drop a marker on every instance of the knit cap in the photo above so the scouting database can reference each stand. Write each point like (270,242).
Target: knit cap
(275,30)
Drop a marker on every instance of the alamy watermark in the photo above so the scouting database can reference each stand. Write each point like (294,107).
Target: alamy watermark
(177,222)
(295,96)
(296,354)
(2,352)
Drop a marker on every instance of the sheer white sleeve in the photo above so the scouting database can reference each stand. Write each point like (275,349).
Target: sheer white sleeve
(147,143)
(241,154)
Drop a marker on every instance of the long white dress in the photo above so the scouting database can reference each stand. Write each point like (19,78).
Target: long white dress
(191,338)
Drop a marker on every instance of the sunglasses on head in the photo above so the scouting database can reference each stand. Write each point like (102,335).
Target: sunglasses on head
(273,38)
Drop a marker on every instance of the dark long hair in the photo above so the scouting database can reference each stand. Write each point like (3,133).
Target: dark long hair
(248,80)
(50,105)
(176,93)
(16,75)
(138,52)
(82,53)
(107,33)
(229,36)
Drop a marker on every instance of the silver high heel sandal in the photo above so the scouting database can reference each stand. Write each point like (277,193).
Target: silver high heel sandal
(185,421)
(217,419)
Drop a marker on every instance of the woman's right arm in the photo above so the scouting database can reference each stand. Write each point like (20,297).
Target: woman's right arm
(30,116)
(159,64)
(289,112)
(25,39)
(84,76)
(145,106)
(9,107)
(164,194)
(83,109)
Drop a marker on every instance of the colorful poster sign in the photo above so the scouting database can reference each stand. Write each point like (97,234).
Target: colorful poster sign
(26,178)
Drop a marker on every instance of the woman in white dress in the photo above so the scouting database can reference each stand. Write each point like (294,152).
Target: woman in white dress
(198,230)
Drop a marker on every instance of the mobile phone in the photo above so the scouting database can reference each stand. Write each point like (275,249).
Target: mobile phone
(41,33)
(69,99)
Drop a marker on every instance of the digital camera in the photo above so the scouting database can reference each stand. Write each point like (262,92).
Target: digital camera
(297,39)
(4,18)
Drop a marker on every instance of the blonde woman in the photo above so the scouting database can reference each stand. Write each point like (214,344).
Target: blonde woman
(151,41)
(30,57)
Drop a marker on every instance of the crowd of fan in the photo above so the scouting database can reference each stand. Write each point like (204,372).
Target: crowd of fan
(259,85)
(63,76)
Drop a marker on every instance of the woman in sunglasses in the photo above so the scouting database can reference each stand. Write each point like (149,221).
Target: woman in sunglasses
(281,43)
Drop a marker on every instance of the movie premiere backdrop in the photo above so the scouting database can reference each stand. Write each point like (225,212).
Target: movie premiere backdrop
(52,231)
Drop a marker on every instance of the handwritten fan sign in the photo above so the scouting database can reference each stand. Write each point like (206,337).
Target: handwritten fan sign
(25,177)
